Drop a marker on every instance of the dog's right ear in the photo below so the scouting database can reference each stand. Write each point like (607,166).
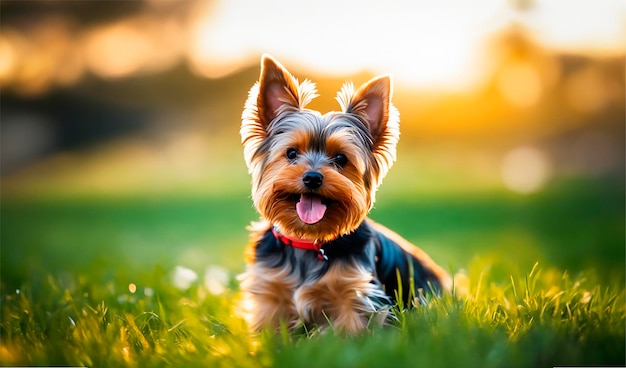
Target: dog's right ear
(276,92)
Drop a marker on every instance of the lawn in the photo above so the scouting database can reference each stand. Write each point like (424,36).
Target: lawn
(92,281)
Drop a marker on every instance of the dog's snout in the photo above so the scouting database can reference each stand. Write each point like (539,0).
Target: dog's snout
(312,179)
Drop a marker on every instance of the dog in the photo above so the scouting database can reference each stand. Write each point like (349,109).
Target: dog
(315,259)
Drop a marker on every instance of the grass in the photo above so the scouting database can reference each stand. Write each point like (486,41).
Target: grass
(536,320)
(90,282)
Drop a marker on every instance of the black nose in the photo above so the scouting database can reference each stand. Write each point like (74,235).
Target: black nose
(312,179)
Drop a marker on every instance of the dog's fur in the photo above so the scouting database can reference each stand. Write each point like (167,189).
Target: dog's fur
(333,164)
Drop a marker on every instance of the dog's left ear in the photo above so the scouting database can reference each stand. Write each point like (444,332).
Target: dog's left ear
(372,102)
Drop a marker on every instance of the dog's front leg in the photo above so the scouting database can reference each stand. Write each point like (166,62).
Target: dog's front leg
(267,297)
(346,298)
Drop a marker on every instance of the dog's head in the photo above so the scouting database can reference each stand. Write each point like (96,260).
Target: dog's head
(315,176)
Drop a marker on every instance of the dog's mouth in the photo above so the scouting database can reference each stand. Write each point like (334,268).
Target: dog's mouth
(310,207)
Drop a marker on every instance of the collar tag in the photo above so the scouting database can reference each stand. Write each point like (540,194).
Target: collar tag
(321,256)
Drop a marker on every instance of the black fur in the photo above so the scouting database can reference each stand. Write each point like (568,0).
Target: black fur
(371,249)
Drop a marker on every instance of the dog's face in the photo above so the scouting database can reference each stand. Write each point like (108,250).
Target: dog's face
(314,176)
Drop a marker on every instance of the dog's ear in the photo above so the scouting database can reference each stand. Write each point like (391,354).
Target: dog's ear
(372,102)
(278,90)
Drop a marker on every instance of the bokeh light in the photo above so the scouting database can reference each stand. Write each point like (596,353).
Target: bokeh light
(525,170)
(183,277)
(216,279)
(117,51)
(520,84)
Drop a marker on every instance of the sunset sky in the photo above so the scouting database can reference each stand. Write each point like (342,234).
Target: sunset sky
(424,43)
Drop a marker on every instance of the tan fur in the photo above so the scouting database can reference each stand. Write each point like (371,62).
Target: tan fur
(273,296)
(268,297)
(339,296)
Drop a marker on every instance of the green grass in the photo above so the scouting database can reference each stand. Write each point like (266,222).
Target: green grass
(541,319)
(88,282)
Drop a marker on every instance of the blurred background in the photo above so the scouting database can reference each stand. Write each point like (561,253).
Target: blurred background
(119,127)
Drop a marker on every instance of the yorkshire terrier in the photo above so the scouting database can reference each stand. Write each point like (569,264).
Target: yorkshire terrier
(315,259)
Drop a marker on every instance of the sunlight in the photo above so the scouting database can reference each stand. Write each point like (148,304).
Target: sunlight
(440,52)
(598,26)
(520,84)
(6,355)
(117,51)
(8,58)
(432,47)
(422,43)
(212,54)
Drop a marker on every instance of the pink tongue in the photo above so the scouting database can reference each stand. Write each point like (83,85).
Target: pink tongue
(310,209)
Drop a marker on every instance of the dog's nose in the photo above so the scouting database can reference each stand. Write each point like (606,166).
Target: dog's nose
(312,179)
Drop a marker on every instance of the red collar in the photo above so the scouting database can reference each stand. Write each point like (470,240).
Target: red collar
(301,244)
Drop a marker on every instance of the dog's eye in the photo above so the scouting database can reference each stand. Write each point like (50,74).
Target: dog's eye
(292,154)
(341,160)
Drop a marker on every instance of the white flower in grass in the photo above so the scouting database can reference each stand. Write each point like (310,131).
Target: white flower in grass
(183,277)
(216,279)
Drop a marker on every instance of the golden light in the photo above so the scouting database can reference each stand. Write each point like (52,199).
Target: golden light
(56,42)
(126,353)
(218,42)
(8,59)
(520,84)
(424,43)
(117,50)
(35,74)
(6,355)
(35,59)
(430,45)
(446,57)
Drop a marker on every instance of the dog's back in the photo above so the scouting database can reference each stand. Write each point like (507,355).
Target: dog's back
(398,260)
